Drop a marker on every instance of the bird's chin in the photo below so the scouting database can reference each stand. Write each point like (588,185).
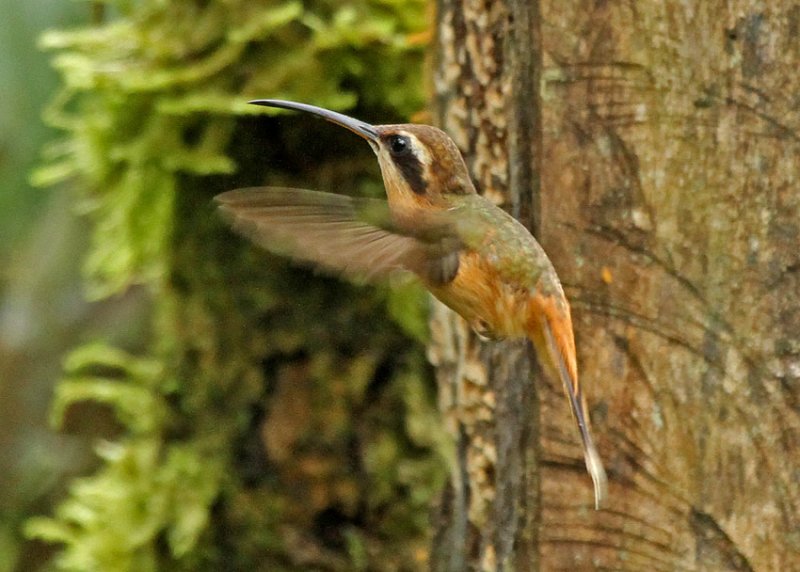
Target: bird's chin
(375,146)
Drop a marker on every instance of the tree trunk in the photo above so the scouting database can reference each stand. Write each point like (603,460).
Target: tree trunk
(666,139)
(486,99)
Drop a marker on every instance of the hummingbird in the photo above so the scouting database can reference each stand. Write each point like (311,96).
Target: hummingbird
(469,253)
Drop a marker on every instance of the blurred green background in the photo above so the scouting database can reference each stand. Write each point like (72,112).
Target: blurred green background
(43,308)
(27,82)
(161,381)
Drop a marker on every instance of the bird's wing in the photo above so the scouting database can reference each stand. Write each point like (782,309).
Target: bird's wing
(559,347)
(355,237)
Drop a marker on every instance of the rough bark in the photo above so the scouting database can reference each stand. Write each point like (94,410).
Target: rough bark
(486,87)
(670,138)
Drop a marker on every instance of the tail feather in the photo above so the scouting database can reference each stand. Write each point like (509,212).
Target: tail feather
(569,378)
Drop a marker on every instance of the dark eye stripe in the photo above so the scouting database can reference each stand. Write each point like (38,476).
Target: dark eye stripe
(412,171)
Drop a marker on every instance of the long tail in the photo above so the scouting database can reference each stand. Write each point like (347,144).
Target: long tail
(556,331)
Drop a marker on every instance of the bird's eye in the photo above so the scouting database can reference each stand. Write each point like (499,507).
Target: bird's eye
(399,145)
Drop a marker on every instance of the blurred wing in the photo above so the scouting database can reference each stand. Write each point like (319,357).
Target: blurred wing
(356,237)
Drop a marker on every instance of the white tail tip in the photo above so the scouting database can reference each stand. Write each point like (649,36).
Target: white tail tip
(595,467)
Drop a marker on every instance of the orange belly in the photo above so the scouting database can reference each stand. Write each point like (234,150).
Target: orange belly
(491,306)
(498,309)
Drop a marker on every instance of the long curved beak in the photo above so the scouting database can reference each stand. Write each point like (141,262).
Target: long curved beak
(358,127)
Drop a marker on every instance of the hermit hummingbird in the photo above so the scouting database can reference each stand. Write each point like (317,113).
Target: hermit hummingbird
(472,255)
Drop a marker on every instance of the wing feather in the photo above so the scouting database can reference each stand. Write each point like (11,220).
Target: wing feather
(355,237)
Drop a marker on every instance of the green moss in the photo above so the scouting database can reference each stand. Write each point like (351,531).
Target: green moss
(281,421)
(149,94)
(147,486)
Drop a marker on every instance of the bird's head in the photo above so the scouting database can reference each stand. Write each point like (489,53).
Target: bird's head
(421,165)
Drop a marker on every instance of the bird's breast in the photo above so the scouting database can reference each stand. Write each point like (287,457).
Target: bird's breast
(491,305)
